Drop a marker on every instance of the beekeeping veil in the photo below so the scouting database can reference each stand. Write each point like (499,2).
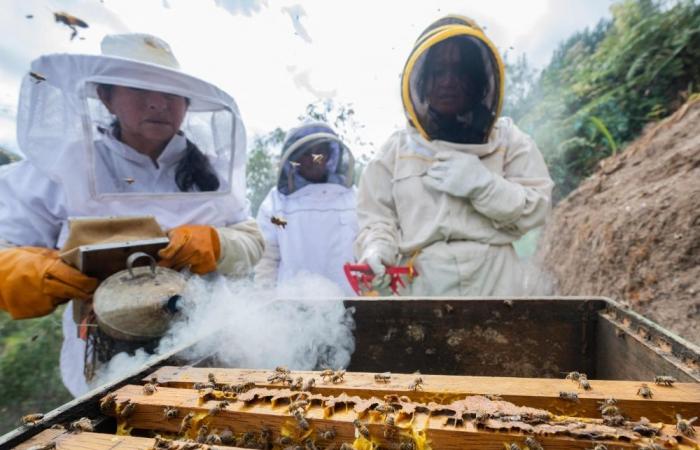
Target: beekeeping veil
(339,161)
(64,129)
(478,66)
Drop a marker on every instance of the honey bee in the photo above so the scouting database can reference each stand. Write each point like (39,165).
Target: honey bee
(318,158)
(301,420)
(610,410)
(346,446)
(199,386)
(664,380)
(71,22)
(416,385)
(327,374)
(573,376)
(298,383)
(685,427)
(216,409)
(644,391)
(149,389)
(382,377)
(309,444)
(31,419)
(642,427)
(338,376)
(607,402)
(108,402)
(569,396)
(311,382)
(511,446)
(211,378)
(285,440)
(533,444)
(206,395)
(298,404)
(583,383)
(186,423)
(385,409)
(82,424)
(390,430)
(227,437)
(170,413)
(36,77)
(279,221)
(614,421)
(361,428)
(407,445)
(126,408)
(213,439)
(202,434)
(294,164)
(328,434)
(243,387)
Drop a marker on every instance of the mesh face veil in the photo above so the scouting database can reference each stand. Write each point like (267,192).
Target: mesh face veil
(318,143)
(452,83)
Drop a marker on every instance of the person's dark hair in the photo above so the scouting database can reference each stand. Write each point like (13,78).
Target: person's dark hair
(194,169)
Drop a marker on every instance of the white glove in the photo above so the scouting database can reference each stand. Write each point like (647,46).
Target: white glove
(459,174)
(376,260)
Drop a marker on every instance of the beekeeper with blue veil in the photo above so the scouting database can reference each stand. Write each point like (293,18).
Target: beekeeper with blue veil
(459,184)
(309,219)
(123,133)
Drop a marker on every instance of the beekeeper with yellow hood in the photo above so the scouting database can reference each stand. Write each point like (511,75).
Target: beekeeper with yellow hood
(453,190)
(123,133)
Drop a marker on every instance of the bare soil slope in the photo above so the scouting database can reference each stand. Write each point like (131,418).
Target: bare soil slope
(632,230)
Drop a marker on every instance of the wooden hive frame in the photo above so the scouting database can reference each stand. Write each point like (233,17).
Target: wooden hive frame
(443,412)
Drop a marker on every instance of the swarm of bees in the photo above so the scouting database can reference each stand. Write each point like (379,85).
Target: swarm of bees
(70,21)
(644,391)
(279,221)
(664,380)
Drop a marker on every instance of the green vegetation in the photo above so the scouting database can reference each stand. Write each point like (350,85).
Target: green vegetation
(603,85)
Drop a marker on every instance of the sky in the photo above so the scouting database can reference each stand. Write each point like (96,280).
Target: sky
(275,57)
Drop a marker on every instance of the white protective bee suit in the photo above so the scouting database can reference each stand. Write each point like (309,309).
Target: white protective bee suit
(456,197)
(321,220)
(74,167)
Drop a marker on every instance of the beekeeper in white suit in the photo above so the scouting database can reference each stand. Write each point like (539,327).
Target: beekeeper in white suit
(309,219)
(458,185)
(120,134)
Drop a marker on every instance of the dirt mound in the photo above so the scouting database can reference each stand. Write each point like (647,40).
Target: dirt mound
(632,230)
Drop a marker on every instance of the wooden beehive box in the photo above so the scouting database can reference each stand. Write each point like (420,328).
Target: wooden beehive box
(518,349)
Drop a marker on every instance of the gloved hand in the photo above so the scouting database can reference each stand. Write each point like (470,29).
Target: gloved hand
(194,246)
(377,259)
(33,281)
(457,173)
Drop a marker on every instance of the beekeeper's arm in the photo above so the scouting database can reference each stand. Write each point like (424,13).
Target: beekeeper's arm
(33,279)
(266,272)
(377,241)
(516,202)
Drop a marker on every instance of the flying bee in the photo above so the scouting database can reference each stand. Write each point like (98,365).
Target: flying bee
(644,391)
(170,413)
(31,419)
(108,402)
(186,423)
(318,158)
(301,420)
(569,396)
(82,424)
(126,408)
(416,385)
(664,380)
(129,180)
(685,427)
(36,77)
(71,22)
(294,164)
(533,444)
(149,389)
(382,377)
(279,221)
(311,382)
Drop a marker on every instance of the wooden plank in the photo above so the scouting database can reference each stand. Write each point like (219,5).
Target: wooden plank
(632,348)
(521,337)
(681,398)
(96,441)
(240,416)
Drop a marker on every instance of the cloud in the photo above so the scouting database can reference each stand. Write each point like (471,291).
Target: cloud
(245,7)
(296,12)
(301,79)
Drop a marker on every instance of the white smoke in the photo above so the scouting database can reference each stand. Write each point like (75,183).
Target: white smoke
(302,324)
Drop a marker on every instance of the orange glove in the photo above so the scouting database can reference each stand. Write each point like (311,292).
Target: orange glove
(196,246)
(33,281)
